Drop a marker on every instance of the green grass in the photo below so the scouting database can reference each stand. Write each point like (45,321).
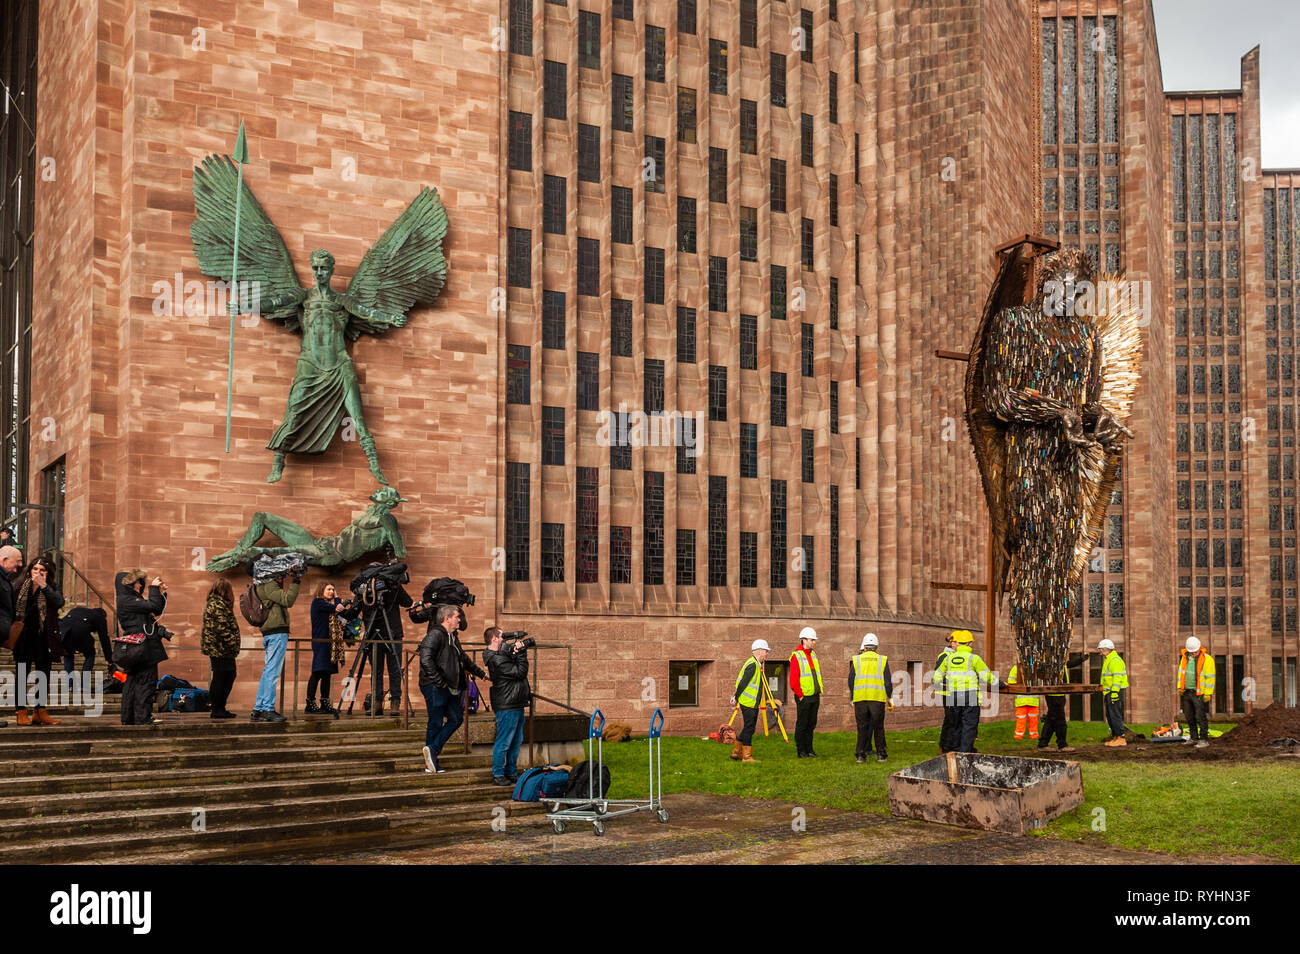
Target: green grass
(1206,808)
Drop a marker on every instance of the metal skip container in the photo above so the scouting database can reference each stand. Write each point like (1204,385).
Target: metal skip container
(990,792)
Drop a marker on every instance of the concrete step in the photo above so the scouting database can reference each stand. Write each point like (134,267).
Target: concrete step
(18,805)
(372,829)
(38,746)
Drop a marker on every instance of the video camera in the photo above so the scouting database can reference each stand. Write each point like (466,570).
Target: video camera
(519,637)
(378,583)
(444,591)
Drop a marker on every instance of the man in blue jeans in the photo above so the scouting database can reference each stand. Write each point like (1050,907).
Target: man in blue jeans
(444,669)
(507,665)
(277,597)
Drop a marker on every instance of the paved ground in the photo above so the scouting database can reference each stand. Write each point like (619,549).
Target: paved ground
(725,830)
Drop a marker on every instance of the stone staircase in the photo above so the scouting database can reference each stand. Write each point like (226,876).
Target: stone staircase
(193,790)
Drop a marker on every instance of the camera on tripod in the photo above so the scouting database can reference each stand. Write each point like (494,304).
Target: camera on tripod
(378,583)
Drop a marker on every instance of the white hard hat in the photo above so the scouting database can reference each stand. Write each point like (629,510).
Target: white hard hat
(807,633)
(869,640)
(1105,644)
(1193,644)
(759,644)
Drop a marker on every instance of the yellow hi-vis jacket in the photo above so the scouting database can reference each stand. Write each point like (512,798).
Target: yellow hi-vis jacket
(810,679)
(869,677)
(1204,674)
(1114,675)
(961,671)
(1020,700)
(748,694)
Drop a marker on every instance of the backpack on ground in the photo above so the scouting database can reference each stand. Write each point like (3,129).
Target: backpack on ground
(188,700)
(174,682)
(548,781)
(580,782)
(252,607)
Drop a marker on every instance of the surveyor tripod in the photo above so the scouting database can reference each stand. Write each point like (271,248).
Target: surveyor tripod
(765,703)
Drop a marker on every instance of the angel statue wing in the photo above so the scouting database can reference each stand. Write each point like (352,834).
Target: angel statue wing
(1118,329)
(1012,286)
(404,268)
(265,267)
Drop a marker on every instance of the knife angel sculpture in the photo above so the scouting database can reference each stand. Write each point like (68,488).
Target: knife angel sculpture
(1049,392)
(403,269)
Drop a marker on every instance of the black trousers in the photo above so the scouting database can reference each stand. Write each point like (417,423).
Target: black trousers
(968,724)
(870,717)
(219,685)
(1196,713)
(806,723)
(137,696)
(1115,712)
(1054,723)
(386,653)
(321,679)
(748,723)
(950,732)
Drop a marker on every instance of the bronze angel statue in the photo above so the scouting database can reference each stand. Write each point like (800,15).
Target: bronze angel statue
(1049,391)
(403,269)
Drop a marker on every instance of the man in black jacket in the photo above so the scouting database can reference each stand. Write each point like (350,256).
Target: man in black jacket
(443,677)
(507,665)
(383,626)
(11,561)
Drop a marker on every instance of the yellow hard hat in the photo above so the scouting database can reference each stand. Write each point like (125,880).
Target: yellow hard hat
(962,636)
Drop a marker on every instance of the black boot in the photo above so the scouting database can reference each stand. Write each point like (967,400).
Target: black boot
(311,706)
(326,708)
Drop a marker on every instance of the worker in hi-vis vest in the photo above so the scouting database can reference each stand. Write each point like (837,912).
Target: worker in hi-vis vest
(1026,708)
(1114,686)
(962,674)
(1196,690)
(950,733)
(748,693)
(870,683)
(806,684)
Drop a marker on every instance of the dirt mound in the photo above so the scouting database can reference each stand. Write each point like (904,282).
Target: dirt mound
(1264,725)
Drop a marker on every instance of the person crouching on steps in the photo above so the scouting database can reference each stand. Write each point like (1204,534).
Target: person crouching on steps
(747,695)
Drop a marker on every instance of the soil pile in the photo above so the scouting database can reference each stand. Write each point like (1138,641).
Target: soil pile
(1264,725)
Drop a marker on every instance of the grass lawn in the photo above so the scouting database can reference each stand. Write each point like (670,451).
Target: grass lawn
(1204,808)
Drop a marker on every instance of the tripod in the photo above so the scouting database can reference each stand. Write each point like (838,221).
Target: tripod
(370,643)
(765,704)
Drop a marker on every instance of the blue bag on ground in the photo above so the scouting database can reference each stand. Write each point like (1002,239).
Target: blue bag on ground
(548,781)
(188,700)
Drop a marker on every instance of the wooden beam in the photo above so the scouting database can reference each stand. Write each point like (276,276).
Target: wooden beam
(990,608)
(952,355)
(973,587)
(1039,241)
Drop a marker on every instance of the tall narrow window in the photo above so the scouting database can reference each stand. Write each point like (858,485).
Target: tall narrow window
(748,234)
(555,90)
(685,114)
(620,215)
(686,438)
(552,553)
(685,335)
(685,224)
(717,283)
(653,534)
(835,407)
(806,456)
(588,381)
(835,538)
(809,578)
(588,40)
(686,17)
(806,139)
(519,264)
(717,175)
(654,54)
(621,104)
(553,436)
(685,557)
(587,520)
(806,29)
(806,242)
(623,10)
(748,450)
(654,276)
(834,296)
(834,183)
(748,559)
(777,70)
(521,27)
(553,205)
(717,530)
(806,349)
(777,274)
(589,266)
(749,23)
(517,520)
(620,443)
(620,554)
(717,392)
(778,398)
(620,328)
(778,523)
(518,374)
(653,381)
(749,127)
(588,153)
(749,342)
(657,167)
(521,141)
(553,320)
(834,93)
(778,185)
(718,67)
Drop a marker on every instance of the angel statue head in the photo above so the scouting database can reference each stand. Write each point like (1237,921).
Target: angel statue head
(322,266)
(1066,274)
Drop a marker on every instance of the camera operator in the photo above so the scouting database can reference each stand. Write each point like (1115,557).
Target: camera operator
(277,595)
(507,665)
(383,622)
(443,677)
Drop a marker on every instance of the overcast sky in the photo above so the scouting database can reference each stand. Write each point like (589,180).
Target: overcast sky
(1201,45)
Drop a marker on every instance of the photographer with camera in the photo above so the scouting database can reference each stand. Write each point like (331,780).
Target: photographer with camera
(277,594)
(381,597)
(137,616)
(444,669)
(507,663)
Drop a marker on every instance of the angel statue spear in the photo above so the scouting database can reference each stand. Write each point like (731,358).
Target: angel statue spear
(405,268)
(241,159)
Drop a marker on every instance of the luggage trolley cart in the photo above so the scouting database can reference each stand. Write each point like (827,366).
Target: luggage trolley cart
(595,808)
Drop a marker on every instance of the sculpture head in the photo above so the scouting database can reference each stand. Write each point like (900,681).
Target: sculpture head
(1066,274)
(322,267)
(387,497)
